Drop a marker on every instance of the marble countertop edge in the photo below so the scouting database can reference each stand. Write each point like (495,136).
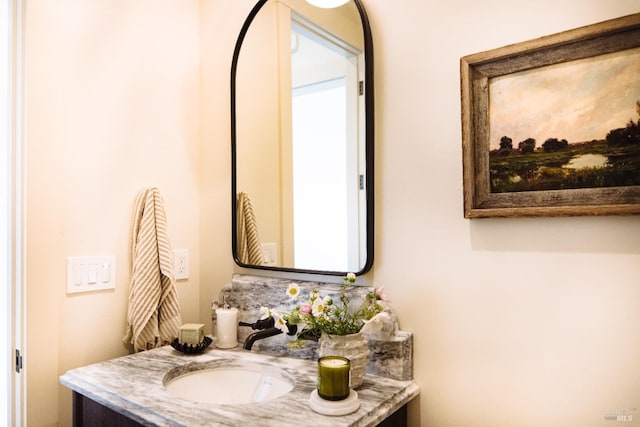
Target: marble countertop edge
(102,382)
(115,402)
(392,405)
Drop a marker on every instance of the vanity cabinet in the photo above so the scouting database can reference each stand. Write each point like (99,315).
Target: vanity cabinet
(397,419)
(88,413)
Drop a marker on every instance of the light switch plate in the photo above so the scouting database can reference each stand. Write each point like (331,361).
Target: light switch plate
(90,273)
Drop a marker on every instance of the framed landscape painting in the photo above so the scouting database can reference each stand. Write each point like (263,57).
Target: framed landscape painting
(551,127)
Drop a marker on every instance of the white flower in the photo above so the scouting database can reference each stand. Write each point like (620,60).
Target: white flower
(280,323)
(266,312)
(293,290)
(320,306)
(350,277)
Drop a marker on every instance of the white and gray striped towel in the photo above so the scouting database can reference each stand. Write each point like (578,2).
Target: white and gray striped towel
(249,249)
(153,317)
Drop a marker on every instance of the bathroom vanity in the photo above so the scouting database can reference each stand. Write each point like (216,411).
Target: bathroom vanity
(130,391)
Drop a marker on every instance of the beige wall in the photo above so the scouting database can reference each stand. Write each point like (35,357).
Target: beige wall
(528,322)
(113,106)
(517,322)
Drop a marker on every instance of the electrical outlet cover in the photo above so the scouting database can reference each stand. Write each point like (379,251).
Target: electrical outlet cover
(181,264)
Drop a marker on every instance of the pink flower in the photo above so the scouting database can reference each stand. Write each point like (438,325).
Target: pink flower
(305,308)
(382,296)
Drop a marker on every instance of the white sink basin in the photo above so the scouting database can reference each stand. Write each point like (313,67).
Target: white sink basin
(228,382)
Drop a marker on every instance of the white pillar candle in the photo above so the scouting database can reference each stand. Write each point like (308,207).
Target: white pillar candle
(227,327)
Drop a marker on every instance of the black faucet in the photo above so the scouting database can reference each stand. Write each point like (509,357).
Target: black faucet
(266,329)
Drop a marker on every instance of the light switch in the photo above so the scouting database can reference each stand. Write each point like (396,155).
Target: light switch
(92,275)
(77,273)
(105,272)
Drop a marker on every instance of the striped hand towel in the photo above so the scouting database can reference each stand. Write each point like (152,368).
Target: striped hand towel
(249,249)
(153,318)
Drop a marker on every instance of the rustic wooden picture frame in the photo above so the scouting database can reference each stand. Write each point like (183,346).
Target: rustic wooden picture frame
(476,72)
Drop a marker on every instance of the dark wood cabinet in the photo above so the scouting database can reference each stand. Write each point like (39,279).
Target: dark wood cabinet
(89,413)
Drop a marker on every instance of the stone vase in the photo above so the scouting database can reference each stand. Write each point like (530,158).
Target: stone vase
(353,347)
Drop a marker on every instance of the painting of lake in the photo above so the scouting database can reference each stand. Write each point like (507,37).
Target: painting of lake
(566,126)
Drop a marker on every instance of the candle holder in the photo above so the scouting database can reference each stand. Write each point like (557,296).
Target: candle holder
(333,377)
(332,395)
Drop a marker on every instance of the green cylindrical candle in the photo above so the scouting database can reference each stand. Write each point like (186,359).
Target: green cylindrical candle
(333,377)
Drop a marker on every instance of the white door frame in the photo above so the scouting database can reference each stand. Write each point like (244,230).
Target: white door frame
(14,157)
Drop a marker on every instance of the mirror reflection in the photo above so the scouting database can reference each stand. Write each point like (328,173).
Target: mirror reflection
(301,139)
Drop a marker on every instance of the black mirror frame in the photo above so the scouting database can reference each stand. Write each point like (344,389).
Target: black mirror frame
(369,145)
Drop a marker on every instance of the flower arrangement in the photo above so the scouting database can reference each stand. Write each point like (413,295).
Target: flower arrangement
(322,314)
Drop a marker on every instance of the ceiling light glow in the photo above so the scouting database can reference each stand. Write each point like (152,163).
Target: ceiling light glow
(327,4)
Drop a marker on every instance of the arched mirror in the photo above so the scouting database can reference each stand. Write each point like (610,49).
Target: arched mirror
(302,139)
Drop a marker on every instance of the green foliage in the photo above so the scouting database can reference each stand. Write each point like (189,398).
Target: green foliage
(336,318)
(527,146)
(546,168)
(553,144)
(506,143)
(540,170)
(323,314)
(629,135)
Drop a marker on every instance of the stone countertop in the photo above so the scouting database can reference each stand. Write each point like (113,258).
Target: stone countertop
(133,386)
